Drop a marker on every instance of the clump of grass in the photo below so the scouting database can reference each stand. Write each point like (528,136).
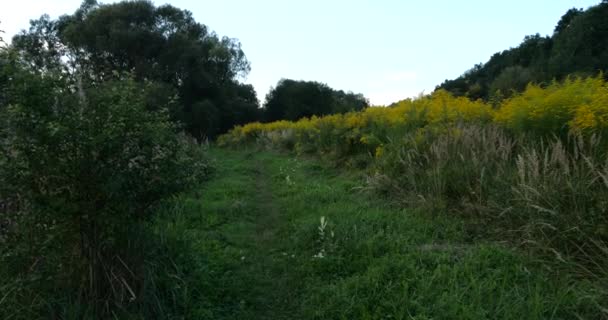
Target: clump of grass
(386,262)
(547,194)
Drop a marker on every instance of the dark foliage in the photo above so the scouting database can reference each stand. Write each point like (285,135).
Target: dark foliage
(292,100)
(160,44)
(579,46)
(86,154)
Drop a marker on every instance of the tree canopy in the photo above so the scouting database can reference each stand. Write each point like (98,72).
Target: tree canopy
(160,44)
(292,100)
(579,46)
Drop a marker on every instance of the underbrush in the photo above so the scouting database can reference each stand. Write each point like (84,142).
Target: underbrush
(155,273)
(358,255)
(547,195)
(83,171)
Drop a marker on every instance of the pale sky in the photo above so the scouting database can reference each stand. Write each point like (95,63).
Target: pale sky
(386,49)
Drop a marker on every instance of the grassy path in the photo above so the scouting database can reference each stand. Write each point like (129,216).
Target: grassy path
(265,254)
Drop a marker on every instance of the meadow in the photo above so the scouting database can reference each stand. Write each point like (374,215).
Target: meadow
(531,170)
(142,178)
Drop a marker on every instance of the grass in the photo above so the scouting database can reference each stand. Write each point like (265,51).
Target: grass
(273,237)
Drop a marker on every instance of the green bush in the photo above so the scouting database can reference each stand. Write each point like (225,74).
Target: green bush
(88,165)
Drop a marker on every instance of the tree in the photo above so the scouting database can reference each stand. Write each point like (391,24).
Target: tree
(348,101)
(582,47)
(579,45)
(241,106)
(1,39)
(160,44)
(292,100)
(512,79)
(40,47)
(87,151)
(566,19)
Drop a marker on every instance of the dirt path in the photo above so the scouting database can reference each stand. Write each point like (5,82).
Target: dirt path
(272,294)
(253,271)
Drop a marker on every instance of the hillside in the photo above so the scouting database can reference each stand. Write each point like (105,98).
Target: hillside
(578,46)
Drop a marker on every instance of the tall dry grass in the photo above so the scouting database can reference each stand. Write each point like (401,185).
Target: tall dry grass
(550,195)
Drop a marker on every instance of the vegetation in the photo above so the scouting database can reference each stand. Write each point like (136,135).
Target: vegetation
(83,165)
(532,171)
(180,57)
(293,100)
(485,199)
(163,45)
(279,237)
(578,46)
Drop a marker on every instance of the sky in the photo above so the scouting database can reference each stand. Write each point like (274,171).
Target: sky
(386,49)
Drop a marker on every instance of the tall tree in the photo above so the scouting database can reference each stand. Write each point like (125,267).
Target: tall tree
(582,47)
(162,44)
(566,19)
(292,100)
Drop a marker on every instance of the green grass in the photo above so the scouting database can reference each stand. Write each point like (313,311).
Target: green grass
(261,254)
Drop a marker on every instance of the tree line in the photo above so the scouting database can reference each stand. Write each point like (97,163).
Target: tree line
(183,58)
(578,46)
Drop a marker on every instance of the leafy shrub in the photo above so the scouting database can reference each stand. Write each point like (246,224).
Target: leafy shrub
(574,105)
(88,166)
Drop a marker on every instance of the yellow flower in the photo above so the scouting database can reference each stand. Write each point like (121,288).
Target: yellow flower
(379,151)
